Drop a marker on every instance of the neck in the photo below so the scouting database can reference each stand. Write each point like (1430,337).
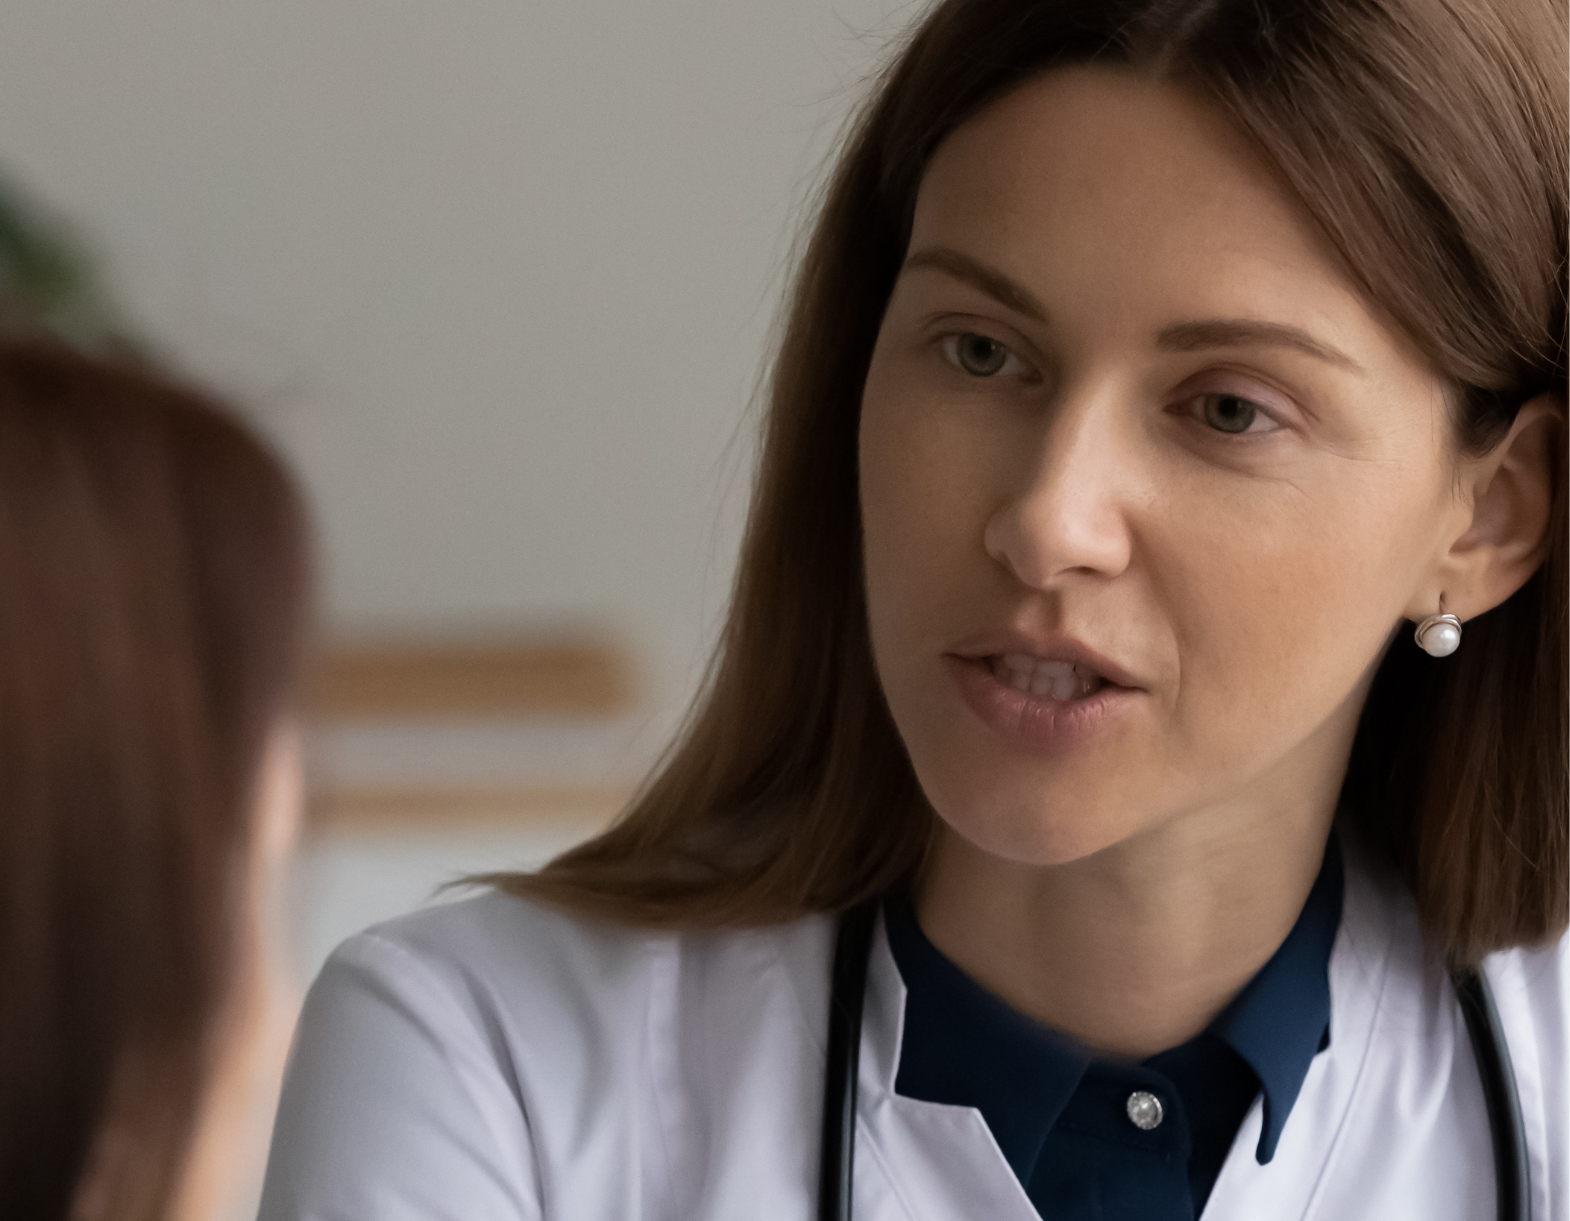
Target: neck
(1136,948)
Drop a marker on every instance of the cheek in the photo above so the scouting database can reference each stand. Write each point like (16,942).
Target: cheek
(1282,601)
(921,496)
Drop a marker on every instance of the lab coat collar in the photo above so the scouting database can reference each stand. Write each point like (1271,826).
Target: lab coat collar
(1378,929)
(925,1160)
(937,1160)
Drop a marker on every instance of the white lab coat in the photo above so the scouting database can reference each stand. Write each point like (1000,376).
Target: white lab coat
(494,1061)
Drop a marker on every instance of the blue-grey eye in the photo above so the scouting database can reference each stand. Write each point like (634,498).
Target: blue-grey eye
(979,356)
(1229,413)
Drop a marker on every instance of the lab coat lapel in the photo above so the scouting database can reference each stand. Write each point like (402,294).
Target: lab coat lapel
(915,1160)
(1287,1187)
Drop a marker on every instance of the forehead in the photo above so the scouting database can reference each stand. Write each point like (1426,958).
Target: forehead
(1133,190)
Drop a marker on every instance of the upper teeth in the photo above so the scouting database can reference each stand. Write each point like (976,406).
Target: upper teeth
(1058,680)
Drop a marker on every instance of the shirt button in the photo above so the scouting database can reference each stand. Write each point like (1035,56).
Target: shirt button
(1144,1110)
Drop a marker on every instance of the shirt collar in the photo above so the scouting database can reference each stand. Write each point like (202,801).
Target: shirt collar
(963,1046)
(1280,1020)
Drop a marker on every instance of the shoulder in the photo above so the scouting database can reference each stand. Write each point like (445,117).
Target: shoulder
(1533,985)
(497,953)
(1382,936)
(494,1052)
(1531,988)
(1400,987)
(494,951)
(1532,991)
(1381,930)
(541,1001)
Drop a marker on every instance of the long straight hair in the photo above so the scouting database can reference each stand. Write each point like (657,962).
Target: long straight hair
(1428,140)
(155,580)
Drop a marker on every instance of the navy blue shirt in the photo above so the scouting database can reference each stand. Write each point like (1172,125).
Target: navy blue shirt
(1061,1115)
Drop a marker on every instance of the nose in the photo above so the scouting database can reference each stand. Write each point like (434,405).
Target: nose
(1068,516)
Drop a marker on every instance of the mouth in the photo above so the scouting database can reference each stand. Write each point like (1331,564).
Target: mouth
(1062,682)
(1044,705)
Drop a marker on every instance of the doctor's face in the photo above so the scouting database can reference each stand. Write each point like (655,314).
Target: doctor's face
(1146,485)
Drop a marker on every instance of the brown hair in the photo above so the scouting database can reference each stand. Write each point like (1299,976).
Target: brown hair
(1428,139)
(155,574)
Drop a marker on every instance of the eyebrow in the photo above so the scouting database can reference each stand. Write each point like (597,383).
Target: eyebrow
(979,276)
(1246,333)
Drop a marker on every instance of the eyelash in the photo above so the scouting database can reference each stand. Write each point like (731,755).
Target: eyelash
(950,346)
(1261,412)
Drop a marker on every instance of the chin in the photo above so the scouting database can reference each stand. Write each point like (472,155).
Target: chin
(1028,824)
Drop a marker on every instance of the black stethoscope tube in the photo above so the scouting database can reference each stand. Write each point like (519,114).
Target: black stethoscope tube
(852,952)
(1505,1126)
(848,989)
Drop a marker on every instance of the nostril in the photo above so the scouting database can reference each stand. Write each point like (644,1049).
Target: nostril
(1040,540)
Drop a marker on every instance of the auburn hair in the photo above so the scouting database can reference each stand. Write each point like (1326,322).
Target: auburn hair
(155,578)
(1428,139)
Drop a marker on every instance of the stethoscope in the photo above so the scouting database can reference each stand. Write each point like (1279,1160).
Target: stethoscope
(848,987)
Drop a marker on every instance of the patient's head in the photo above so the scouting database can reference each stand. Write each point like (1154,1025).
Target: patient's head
(153,582)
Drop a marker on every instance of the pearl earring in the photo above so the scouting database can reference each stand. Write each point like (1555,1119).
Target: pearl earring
(1439,635)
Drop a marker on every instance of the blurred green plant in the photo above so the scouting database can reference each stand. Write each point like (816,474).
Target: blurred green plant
(49,282)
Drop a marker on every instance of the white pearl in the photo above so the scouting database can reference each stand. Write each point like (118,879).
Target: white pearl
(1441,640)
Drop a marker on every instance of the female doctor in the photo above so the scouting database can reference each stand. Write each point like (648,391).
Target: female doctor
(1151,630)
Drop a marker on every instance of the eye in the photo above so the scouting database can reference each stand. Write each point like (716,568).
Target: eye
(1232,413)
(977,355)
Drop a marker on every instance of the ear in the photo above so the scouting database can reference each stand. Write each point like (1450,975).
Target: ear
(1512,491)
(279,796)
